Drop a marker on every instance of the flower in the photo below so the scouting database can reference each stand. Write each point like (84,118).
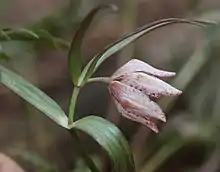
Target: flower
(134,85)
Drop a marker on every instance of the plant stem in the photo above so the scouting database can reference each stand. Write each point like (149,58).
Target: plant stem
(99,79)
(74,134)
(75,95)
(84,154)
(73,104)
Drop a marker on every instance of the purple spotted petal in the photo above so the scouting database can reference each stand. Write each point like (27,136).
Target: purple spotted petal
(143,120)
(135,102)
(149,85)
(135,65)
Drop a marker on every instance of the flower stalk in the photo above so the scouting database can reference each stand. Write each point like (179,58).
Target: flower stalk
(74,135)
(99,79)
(73,104)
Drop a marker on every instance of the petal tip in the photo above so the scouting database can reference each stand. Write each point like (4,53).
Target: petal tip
(170,74)
(178,92)
(156,130)
(163,118)
(164,74)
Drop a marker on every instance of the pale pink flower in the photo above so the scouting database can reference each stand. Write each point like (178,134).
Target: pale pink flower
(132,87)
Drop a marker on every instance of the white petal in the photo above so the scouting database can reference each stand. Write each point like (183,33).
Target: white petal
(145,121)
(135,102)
(149,85)
(135,65)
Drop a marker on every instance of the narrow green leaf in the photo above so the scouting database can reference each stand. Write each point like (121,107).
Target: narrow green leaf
(21,34)
(52,41)
(33,35)
(75,59)
(110,139)
(46,36)
(33,95)
(92,66)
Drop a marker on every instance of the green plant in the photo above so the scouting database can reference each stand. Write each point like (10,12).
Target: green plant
(102,131)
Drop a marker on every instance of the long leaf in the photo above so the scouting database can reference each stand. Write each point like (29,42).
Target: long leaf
(110,139)
(127,39)
(75,58)
(33,95)
(32,35)
(18,34)
(46,37)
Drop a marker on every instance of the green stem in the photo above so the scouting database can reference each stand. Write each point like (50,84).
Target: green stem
(75,95)
(73,104)
(74,134)
(99,79)
(84,154)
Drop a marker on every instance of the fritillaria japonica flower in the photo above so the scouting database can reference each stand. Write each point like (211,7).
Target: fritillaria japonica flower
(134,85)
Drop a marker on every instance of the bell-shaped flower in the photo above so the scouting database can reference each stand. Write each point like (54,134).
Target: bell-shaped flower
(132,87)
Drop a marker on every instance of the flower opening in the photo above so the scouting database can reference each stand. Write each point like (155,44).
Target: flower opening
(133,85)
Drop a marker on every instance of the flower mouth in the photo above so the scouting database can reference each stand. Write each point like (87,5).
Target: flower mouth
(151,123)
(134,91)
(128,104)
(134,101)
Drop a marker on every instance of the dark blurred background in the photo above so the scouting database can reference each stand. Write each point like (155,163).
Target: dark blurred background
(188,142)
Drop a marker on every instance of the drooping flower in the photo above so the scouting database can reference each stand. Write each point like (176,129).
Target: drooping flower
(134,85)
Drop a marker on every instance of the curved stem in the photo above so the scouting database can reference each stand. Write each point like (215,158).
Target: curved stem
(73,104)
(75,95)
(80,147)
(99,79)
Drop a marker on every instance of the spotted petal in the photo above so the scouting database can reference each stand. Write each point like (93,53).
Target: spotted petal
(143,120)
(135,65)
(135,102)
(149,85)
